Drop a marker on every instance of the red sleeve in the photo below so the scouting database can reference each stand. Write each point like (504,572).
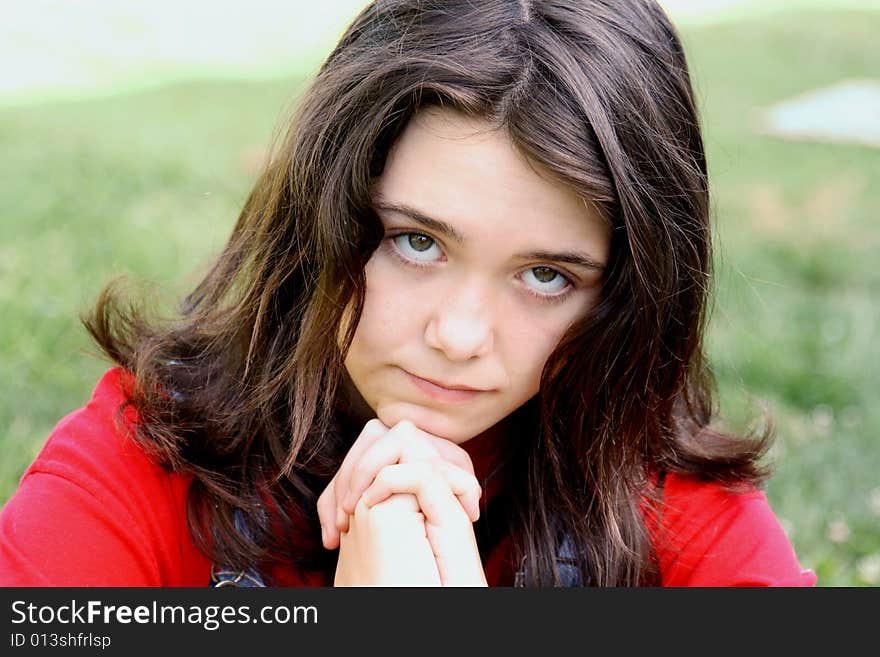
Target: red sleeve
(94,510)
(709,536)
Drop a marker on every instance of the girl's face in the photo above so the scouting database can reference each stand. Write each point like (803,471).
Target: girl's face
(484,265)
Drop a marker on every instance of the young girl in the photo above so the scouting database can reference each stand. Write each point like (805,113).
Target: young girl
(455,338)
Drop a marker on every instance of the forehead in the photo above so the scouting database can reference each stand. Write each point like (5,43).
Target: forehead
(464,172)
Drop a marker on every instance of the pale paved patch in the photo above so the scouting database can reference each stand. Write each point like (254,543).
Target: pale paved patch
(65,49)
(52,49)
(847,112)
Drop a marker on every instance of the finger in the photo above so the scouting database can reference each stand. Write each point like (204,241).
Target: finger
(453,453)
(332,522)
(470,498)
(404,443)
(403,503)
(342,520)
(372,431)
(463,484)
(327,517)
(435,485)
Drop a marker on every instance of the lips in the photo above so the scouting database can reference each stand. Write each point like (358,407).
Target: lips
(447,386)
(442,393)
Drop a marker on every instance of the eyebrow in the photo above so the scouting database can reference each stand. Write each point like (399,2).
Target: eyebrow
(443,228)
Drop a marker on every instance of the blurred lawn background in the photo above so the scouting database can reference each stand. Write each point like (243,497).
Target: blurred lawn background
(129,151)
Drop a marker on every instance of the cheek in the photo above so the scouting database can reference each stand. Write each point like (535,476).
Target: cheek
(530,347)
(382,303)
(392,306)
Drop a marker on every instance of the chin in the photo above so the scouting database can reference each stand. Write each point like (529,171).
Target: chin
(429,420)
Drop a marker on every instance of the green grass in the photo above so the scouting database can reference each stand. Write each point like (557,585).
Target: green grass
(149,184)
(797,322)
(146,185)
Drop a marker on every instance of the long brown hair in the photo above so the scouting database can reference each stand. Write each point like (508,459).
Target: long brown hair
(242,388)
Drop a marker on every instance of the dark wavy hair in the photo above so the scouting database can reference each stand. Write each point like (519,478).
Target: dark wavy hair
(241,388)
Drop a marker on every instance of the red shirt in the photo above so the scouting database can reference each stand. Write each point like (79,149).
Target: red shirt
(94,510)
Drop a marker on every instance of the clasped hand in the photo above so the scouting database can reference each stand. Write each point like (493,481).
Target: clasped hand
(401,510)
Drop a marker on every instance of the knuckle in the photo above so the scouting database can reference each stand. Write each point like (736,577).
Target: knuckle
(444,469)
(399,430)
(406,426)
(433,482)
(360,510)
(400,439)
(322,499)
(383,477)
(373,426)
(410,441)
(357,471)
(327,498)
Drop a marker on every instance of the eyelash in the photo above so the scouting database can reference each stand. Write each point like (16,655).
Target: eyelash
(558,297)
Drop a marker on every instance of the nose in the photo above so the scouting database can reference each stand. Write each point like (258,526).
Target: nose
(461,327)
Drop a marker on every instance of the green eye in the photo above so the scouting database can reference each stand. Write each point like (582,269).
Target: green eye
(419,242)
(544,274)
(416,247)
(545,280)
